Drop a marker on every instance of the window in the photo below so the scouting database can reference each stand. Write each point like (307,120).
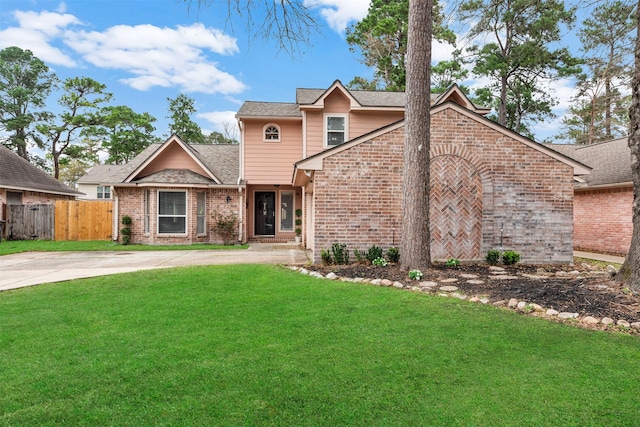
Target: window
(172,212)
(147,211)
(201,208)
(271,133)
(103,192)
(286,210)
(336,129)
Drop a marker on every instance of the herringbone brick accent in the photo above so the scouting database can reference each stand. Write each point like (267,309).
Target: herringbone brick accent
(455,209)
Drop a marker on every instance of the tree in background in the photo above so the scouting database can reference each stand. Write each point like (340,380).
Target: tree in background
(180,111)
(599,110)
(381,38)
(125,133)
(81,101)
(519,60)
(25,83)
(77,160)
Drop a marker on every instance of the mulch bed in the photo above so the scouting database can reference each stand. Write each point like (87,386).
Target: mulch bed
(591,293)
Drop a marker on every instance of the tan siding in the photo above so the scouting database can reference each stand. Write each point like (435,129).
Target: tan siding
(271,162)
(173,157)
(362,122)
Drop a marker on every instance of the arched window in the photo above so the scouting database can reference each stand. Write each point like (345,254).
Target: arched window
(272,133)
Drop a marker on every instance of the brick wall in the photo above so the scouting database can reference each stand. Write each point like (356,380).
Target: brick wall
(603,220)
(131,202)
(523,192)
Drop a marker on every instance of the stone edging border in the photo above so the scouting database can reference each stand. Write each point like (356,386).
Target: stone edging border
(447,290)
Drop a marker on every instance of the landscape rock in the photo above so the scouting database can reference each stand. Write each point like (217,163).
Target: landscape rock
(448,288)
(427,284)
(469,276)
(474,299)
(451,280)
(304,271)
(332,276)
(500,303)
(552,312)
(495,268)
(565,315)
(635,325)
(376,282)
(521,305)
(475,282)
(607,321)
(512,303)
(505,277)
(623,323)
(386,282)
(398,285)
(611,271)
(590,320)
(484,300)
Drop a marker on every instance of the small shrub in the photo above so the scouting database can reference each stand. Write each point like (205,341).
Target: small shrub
(393,254)
(360,257)
(126,230)
(374,252)
(226,225)
(510,257)
(325,255)
(339,253)
(380,262)
(415,274)
(493,257)
(452,263)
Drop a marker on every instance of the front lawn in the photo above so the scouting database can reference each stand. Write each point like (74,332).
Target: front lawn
(261,345)
(15,246)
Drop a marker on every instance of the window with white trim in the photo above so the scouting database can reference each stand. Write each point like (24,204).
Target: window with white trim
(103,192)
(286,211)
(201,204)
(147,211)
(271,133)
(335,126)
(172,212)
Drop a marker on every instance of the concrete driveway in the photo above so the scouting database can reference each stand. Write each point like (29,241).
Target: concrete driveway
(33,268)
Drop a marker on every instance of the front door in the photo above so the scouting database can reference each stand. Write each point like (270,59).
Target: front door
(265,213)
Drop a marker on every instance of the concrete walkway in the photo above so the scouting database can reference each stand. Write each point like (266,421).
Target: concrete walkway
(599,257)
(33,268)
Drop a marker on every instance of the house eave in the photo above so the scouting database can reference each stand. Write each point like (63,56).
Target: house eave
(41,190)
(581,188)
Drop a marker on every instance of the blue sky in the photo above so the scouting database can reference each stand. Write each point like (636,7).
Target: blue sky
(146,51)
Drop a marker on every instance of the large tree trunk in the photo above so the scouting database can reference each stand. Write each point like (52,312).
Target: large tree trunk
(415,196)
(630,271)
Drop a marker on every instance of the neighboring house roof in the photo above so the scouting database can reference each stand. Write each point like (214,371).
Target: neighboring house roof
(610,162)
(220,163)
(18,174)
(99,173)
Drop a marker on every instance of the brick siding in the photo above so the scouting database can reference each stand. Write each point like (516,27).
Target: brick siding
(131,203)
(603,220)
(525,193)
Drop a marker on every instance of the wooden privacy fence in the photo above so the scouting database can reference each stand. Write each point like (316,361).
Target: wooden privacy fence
(83,220)
(25,222)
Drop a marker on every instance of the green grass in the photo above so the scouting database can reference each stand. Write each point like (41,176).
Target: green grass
(261,345)
(15,246)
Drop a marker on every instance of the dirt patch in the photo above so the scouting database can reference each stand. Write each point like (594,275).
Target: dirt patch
(587,290)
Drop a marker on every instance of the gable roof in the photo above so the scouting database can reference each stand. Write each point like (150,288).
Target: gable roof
(359,99)
(220,162)
(18,174)
(315,162)
(610,162)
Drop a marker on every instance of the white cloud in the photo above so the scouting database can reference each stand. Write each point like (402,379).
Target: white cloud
(339,13)
(36,31)
(166,57)
(219,118)
(151,55)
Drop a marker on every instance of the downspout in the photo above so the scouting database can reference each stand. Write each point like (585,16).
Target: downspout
(116,203)
(240,213)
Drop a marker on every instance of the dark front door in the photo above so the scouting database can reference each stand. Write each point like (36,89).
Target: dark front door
(265,213)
